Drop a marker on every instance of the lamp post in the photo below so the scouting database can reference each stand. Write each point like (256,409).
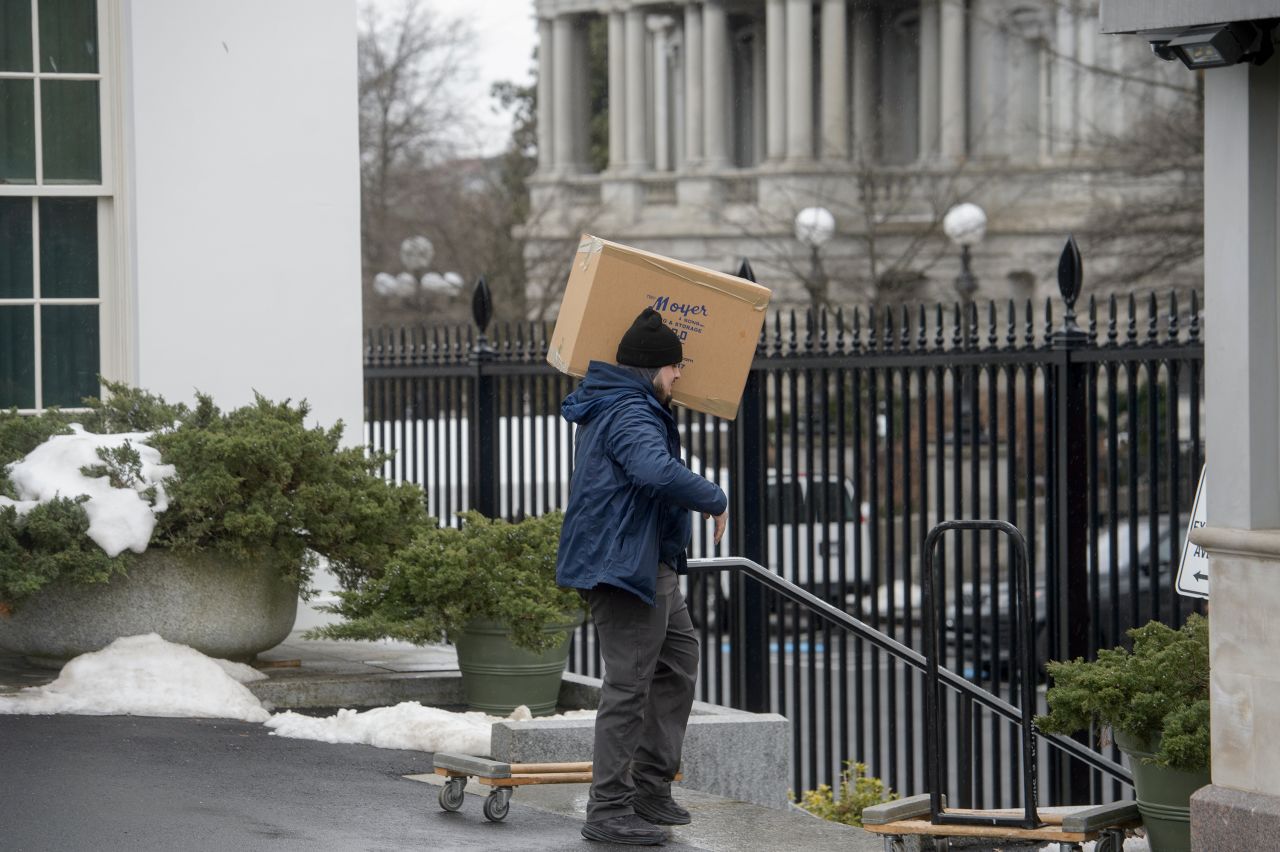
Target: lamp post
(416,255)
(814,228)
(965,225)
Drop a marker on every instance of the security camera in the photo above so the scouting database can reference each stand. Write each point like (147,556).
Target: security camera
(1217,46)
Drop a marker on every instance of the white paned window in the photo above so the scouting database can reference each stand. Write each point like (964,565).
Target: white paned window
(57,250)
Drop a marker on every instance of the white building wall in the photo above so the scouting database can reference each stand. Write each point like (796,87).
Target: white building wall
(242,177)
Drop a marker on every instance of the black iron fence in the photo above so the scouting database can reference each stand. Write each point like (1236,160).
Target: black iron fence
(858,432)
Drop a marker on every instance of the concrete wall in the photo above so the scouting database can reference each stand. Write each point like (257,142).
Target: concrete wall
(242,175)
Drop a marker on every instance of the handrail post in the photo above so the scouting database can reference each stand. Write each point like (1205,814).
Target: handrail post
(750,538)
(1069,577)
(483,410)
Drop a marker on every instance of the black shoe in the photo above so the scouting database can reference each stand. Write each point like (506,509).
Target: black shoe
(663,811)
(629,829)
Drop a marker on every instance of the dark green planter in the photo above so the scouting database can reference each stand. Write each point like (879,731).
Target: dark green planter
(1164,796)
(497,677)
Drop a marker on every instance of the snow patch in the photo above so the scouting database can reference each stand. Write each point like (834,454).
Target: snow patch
(119,518)
(148,676)
(408,725)
(144,676)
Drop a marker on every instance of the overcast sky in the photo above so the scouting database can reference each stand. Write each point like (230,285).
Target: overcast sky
(506,32)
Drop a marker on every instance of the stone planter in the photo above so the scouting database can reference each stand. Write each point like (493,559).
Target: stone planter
(204,601)
(1164,796)
(497,677)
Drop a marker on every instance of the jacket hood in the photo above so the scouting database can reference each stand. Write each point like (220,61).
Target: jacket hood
(603,386)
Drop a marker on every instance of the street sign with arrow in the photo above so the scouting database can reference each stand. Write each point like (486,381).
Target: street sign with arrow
(1193,569)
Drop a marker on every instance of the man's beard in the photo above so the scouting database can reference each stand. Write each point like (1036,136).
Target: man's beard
(664,396)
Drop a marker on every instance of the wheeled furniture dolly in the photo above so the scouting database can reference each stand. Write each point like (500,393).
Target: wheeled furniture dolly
(1069,828)
(502,779)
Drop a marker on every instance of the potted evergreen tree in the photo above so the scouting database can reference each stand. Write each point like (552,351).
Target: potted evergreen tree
(489,587)
(237,510)
(1155,700)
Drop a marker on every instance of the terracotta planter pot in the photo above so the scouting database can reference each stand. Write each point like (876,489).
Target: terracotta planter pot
(220,608)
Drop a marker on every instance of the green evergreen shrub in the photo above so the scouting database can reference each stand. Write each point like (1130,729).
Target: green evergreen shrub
(487,569)
(252,483)
(1157,693)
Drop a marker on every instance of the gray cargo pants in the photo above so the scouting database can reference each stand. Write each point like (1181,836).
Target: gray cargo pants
(650,666)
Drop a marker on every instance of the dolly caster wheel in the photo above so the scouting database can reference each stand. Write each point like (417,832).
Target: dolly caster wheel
(497,804)
(451,794)
(1110,841)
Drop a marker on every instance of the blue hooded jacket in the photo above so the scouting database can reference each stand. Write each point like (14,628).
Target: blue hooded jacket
(630,496)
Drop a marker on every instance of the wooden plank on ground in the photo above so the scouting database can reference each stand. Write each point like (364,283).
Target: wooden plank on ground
(538,778)
(1053,834)
(1047,817)
(530,768)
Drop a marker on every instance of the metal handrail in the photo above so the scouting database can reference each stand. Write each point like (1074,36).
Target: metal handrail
(887,643)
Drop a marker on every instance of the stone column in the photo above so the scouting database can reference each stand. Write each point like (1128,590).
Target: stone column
(693,70)
(866,84)
(987,111)
(799,80)
(715,75)
(775,34)
(637,153)
(546,112)
(929,79)
(835,72)
(1241,809)
(953,90)
(1061,129)
(1085,90)
(678,117)
(661,28)
(617,92)
(562,112)
(1243,397)
(581,95)
(759,106)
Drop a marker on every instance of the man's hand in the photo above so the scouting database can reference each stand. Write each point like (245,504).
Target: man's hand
(721,520)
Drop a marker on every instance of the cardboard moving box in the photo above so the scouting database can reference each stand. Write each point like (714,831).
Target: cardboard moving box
(718,317)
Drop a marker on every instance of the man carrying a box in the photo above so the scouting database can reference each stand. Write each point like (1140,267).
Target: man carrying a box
(623,543)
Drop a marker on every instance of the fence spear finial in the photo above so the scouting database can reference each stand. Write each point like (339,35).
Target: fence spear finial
(482,313)
(1070,280)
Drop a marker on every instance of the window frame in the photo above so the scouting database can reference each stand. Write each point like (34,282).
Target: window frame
(116,351)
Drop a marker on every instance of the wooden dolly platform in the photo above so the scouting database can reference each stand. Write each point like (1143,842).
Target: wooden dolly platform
(1105,824)
(503,778)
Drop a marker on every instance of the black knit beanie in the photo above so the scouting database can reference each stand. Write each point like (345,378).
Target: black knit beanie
(649,343)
